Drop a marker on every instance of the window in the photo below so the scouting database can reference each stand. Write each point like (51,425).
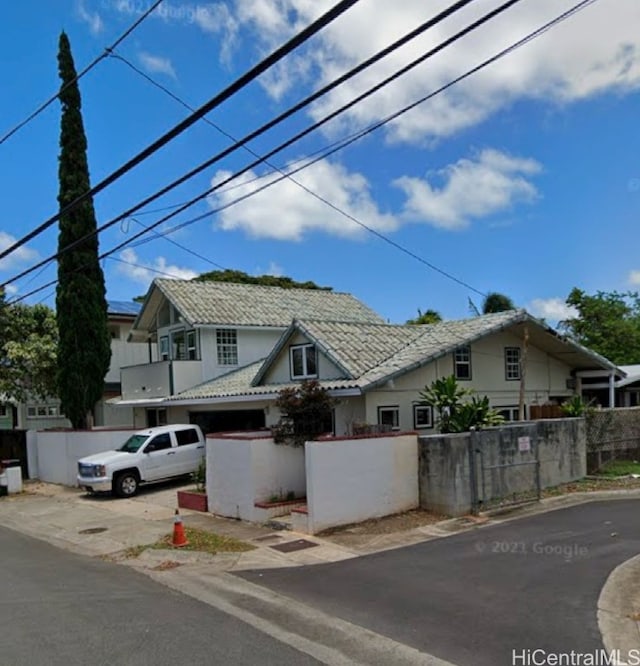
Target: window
(3,410)
(389,417)
(156,417)
(187,436)
(512,363)
(159,442)
(192,351)
(510,413)
(462,362)
(43,411)
(227,346)
(303,361)
(178,351)
(422,416)
(164,348)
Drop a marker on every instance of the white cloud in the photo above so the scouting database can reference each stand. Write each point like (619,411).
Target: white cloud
(92,19)
(563,65)
(285,211)
(159,268)
(11,290)
(157,64)
(554,309)
(634,278)
(21,255)
(471,188)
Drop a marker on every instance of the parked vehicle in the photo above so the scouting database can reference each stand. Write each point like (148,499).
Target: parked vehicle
(150,455)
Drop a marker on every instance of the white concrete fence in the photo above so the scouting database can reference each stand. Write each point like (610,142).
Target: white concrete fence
(53,455)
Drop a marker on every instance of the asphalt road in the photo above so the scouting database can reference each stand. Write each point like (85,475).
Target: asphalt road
(474,597)
(62,609)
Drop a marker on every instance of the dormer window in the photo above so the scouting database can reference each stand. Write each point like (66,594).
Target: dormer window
(303,361)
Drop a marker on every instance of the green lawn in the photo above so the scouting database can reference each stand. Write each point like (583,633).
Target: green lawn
(620,468)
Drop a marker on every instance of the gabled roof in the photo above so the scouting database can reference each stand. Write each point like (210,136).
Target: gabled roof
(372,354)
(230,304)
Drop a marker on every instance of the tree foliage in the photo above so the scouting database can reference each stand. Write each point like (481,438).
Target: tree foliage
(458,409)
(29,338)
(496,302)
(607,323)
(241,277)
(84,348)
(306,413)
(426,317)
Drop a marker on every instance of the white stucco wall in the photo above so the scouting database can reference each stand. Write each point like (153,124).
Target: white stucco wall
(546,377)
(242,470)
(351,480)
(57,453)
(253,344)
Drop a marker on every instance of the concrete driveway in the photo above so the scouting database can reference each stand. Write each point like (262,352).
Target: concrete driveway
(475,597)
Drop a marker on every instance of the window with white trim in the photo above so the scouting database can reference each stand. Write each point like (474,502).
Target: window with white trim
(512,363)
(43,411)
(422,417)
(192,346)
(164,348)
(462,362)
(389,416)
(510,413)
(3,410)
(227,346)
(178,351)
(303,361)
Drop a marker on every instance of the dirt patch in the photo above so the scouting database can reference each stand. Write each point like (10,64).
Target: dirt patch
(166,565)
(593,484)
(399,522)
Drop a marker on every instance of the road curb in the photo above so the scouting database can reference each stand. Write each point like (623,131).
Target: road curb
(618,606)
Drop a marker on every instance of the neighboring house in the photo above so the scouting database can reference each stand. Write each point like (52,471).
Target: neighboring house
(40,414)
(377,370)
(197,331)
(627,388)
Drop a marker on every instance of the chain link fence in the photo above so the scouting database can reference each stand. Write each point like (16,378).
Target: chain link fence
(612,434)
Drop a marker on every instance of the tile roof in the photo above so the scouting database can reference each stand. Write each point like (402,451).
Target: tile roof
(371,354)
(229,304)
(238,383)
(368,353)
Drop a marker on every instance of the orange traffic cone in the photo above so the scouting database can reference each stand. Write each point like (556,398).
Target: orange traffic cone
(179,537)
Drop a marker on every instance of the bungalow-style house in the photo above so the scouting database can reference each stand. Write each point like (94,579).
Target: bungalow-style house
(377,370)
(198,331)
(40,414)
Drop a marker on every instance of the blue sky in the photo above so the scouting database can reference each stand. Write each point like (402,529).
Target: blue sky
(523,179)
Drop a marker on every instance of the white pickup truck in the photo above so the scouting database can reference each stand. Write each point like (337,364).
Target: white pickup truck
(148,455)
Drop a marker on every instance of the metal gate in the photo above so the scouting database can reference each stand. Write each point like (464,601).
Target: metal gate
(505,474)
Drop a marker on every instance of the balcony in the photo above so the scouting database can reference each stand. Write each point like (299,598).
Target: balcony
(159,379)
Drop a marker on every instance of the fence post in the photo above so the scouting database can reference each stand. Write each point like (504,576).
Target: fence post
(473,474)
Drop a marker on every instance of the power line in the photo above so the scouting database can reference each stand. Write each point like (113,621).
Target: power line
(288,176)
(182,126)
(371,128)
(441,16)
(86,70)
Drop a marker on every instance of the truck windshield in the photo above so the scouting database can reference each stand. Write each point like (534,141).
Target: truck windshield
(133,443)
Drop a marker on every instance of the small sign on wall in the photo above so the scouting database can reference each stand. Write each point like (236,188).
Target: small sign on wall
(524,444)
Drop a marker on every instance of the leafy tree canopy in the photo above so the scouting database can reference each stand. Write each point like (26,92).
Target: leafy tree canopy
(29,340)
(496,302)
(229,275)
(427,317)
(607,323)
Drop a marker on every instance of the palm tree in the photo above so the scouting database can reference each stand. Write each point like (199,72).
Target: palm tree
(496,302)
(427,317)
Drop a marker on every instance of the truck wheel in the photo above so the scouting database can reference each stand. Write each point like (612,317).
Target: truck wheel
(125,484)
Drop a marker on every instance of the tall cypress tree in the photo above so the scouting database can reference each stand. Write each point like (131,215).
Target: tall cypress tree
(84,348)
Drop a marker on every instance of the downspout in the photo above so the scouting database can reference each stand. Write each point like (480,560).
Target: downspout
(523,374)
